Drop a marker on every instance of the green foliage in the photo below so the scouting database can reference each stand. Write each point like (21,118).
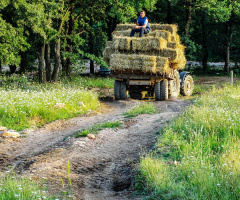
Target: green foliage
(146,108)
(197,156)
(84,28)
(26,17)
(14,41)
(96,128)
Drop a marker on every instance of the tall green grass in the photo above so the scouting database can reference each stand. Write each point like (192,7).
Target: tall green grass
(75,81)
(12,187)
(24,102)
(21,109)
(205,143)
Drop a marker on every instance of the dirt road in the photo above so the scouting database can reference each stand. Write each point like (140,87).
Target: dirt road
(101,168)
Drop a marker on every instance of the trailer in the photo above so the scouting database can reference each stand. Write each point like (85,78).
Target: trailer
(149,66)
(139,85)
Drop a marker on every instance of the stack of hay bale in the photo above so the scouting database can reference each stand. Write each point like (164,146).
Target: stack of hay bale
(153,53)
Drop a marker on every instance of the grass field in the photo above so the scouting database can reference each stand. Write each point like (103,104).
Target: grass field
(198,155)
(12,187)
(25,103)
(96,128)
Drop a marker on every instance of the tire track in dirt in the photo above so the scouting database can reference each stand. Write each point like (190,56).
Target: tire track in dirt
(100,169)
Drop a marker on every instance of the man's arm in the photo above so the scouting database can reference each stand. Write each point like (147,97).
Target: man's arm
(144,26)
(137,27)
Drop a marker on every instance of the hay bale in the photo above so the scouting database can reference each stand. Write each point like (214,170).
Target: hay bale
(151,70)
(154,33)
(181,62)
(122,43)
(162,65)
(164,34)
(172,45)
(174,55)
(122,62)
(178,60)
(108,51)
(156,51)
(109,43)
(125,33)
(169,53)
(122,27)
(172,28)
(148,43)
(175,38)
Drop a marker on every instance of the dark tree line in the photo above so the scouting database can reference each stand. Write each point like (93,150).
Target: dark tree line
(59,34)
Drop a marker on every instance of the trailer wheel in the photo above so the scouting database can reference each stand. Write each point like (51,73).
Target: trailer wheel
(123,90)
(157,91)
(174,86)
(164,89)
(187,86)
(117,87)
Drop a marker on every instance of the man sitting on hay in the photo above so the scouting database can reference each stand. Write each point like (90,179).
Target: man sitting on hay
(142,25)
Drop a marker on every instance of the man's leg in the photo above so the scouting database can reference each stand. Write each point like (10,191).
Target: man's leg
(133,32)
(143,30)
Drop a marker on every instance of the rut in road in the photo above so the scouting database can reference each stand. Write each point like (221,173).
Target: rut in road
(100,169)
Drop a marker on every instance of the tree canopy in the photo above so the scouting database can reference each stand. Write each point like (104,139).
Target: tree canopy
(59,34)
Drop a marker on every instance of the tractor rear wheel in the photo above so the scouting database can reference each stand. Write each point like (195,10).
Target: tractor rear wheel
(174,86)
(187,86)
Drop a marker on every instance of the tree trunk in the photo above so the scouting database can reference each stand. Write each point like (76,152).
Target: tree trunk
(228,40)
(12,69)
(48,62)
(188,16)
(70,43)
(169,12)
(63,50)
(204,43)
(0,66)
(57,60)
(23,64)
(91,46)
(41,65)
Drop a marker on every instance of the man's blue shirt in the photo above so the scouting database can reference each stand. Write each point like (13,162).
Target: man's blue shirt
(143,21)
